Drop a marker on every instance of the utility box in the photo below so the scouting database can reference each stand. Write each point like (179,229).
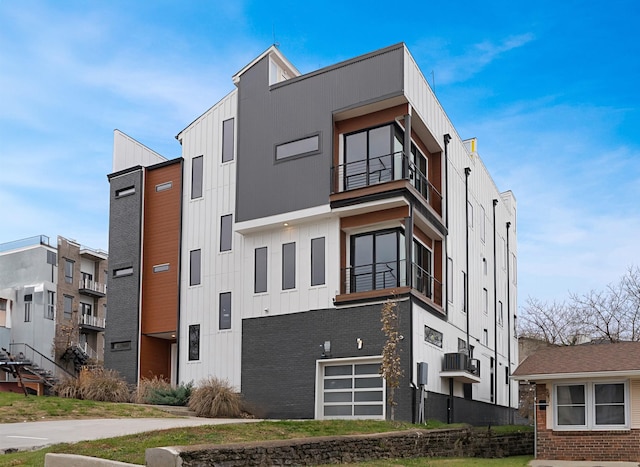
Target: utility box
(423,371)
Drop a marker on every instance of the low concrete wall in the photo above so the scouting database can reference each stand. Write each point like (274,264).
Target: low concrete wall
(344,449)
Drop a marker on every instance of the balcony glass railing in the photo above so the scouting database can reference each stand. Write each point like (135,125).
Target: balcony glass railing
(87,284)
(382,169)
(89,320)
(389,275)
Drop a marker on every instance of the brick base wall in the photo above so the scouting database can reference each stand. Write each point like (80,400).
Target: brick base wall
(596,446)
(347,449)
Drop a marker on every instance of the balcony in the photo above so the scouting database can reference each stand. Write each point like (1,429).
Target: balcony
(378,170)
(461,368)
(92,288)
(363,281)
(93,323)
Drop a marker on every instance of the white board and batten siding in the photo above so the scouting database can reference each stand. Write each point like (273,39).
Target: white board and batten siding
(201,231)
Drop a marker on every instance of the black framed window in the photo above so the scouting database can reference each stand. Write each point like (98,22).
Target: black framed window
(197,172)
(194,342)
(226,232)
(377,261)
(68,306)
(68,271)
(317,261)
(289,266)
(370,156)
(51,304)
(225,311)
(260,278)
(194,267)
(422,267)
(227,140)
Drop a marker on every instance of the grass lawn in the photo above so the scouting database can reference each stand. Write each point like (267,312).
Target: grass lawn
(17,408)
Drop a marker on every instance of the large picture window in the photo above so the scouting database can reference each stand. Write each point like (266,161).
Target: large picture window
(591,406)
(377,260)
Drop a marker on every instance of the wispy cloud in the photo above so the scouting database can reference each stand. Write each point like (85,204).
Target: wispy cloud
(450,67)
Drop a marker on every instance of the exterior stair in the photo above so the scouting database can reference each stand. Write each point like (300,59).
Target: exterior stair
(28,373)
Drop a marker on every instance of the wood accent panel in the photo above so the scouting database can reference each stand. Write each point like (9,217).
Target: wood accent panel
(155,357)
(372,294)
(374,217)
(420,235)
(161,245)
(364,121)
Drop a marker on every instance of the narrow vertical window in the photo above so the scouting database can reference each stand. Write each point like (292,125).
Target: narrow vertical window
(450,280)
(464,292)
(289,266)
(317,261)
(260,279)
(226,232)
(225,311)
(51,303)
(196,177)
(227,140)
(483,215)
(485,301)
(68,307)
(194,342)
(194,267)
(28,300)
(68,271)
(500,313)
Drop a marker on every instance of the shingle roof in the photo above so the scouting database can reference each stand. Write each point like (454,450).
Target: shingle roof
(586,358)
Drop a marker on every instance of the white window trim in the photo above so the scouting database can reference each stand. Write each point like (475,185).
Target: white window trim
(590,407)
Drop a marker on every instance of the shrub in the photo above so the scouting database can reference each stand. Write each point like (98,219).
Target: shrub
(159,392)
(68,388)
(100,384)
(216,398)
(147,386)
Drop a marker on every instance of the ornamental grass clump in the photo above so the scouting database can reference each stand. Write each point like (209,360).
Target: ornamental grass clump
(100,384)
(215,398)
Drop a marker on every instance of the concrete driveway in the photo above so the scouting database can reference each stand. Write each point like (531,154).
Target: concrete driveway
(32,435)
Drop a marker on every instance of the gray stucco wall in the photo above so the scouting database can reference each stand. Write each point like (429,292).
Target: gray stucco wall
(293,109)
(123,293)
(279,355)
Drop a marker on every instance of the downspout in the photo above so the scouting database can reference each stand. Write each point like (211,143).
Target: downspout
(495,309)
(447,138)
(467,171)
(177,371)
(508,325)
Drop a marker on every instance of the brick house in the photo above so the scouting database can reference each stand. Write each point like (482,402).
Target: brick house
(587,401)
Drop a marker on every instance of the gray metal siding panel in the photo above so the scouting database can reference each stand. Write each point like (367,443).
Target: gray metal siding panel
(279,356)
(123,293)
(292,110)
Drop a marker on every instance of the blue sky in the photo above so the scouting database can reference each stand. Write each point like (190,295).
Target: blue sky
(548,88)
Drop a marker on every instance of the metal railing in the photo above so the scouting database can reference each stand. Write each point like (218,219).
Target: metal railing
(30,241)
(87,284)
(24,352)
(381,169)
(460,361)
(391,274)
(88,350)
(94,321)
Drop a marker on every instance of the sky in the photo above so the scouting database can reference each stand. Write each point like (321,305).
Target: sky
(549,89)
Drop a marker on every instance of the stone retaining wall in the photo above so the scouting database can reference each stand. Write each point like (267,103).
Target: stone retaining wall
(463,442)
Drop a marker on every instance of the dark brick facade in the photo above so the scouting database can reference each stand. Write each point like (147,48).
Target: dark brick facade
(279,356)
(600,446)
(123,293)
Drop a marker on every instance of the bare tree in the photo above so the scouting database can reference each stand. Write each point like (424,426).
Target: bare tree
(608,315)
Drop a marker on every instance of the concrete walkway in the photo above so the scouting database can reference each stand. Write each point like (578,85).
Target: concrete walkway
(34,435)
(551,463)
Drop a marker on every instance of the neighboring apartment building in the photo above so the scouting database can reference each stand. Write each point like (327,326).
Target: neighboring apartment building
(52,303)
(302,203)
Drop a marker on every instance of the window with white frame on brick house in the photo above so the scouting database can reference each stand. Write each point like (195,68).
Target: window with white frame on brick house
(591,405)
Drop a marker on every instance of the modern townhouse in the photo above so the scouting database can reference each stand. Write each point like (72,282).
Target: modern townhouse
(302,203)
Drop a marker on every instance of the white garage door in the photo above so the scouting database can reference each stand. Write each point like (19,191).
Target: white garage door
(351,389)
